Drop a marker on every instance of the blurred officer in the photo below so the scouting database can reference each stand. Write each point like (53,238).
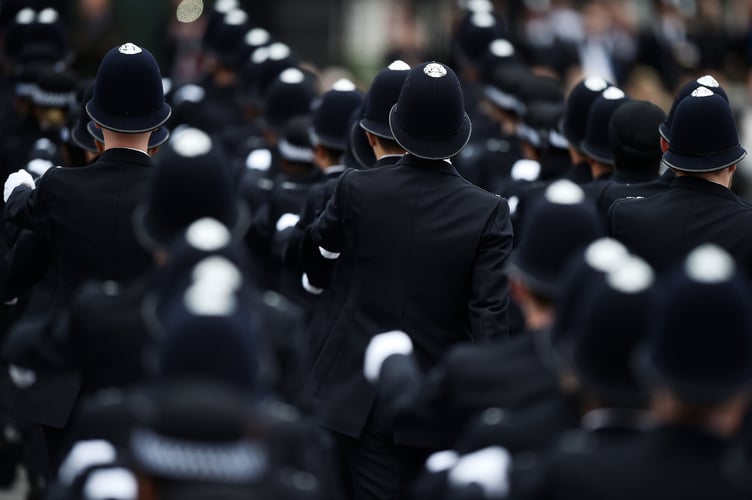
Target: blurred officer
(428,250)
(698,393)
(612,321)
(536,426)
(595,145)
(698,206)
(636,146)
(330,133)
(574,124)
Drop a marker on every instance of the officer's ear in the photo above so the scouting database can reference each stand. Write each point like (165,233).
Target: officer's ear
(372,139)
(664,145)
(320,155)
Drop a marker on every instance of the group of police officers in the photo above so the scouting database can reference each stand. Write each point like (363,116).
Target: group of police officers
(460,284)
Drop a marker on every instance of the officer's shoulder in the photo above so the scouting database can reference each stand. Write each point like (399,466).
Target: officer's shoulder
(630,203)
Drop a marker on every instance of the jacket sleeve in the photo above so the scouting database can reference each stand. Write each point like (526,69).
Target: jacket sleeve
(489,293)
(20,207)
(328,230)
(26,206)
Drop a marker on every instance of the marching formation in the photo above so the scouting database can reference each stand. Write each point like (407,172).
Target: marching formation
(462,280)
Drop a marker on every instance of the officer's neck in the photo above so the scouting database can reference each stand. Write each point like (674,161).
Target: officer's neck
(722,177)
(138,141)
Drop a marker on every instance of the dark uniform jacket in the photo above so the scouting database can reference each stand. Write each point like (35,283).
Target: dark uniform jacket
(617,189)
(86,217)
(665,227)
(668,462)
(469,379)
(335,275)
(429,250)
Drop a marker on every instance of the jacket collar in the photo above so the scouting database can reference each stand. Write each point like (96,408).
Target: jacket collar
(696,184)
(126,155)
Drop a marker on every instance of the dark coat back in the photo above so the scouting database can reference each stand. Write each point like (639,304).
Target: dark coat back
(665,227)
(85,215)
(428,251)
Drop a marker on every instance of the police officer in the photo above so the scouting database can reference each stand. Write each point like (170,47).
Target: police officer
(635,144)
(374,127)
(698,206)
(84,215)
(92,237)
(393,222)
(698,392)
(511,374)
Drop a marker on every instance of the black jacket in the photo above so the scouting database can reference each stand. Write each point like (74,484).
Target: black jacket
(85,215)
(665,227)
(428,251)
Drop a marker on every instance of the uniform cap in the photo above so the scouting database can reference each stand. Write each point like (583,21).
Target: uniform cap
(613,320)
(383,94)
(157,138)
(476,30)
(295,144)
(707,81)
(559,224)
(128,95)
(359,153)
(55,89)
(576,282)
(505,86)
(595,144)
(633,136)
(578,103)
(429,119)
(192,181)
(291,94)
(703,136)
(332,116)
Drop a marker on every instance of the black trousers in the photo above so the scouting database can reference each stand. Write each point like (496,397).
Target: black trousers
(373,467)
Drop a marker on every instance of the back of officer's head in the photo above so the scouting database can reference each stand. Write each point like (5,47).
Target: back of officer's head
(429,120)
(634,138)
(128,94)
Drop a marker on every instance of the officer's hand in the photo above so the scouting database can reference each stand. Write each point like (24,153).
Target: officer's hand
(16,179)
(380,348)
(487,468)
(286,221)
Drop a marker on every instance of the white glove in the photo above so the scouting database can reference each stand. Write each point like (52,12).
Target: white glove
(441,461)
(16,179)
(287,220)
(488,468)
(328,255)
(38,166)
(381,347)
(310,288)
(23,378)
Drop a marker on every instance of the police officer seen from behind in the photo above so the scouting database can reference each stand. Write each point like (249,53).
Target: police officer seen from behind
(698,207)
(429,250)
(85,213)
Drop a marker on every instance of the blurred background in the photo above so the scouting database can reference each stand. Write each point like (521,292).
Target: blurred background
(648,47)
(644,42)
